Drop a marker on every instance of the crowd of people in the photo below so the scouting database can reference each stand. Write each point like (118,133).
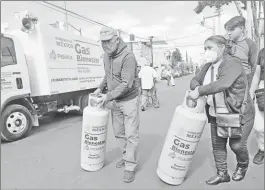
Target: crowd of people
(231,79)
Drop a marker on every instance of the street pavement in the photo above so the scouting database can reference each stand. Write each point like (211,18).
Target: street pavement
(50,157)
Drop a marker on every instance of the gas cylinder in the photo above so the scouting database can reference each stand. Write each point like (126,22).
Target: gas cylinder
(183,136)
(94,134)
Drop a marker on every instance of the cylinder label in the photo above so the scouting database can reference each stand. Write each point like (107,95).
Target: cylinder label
(178,151)
(93,144)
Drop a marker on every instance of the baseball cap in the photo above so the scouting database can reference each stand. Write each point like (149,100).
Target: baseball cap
(107,33)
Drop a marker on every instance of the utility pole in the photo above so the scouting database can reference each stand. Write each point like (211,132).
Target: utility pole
(66,19)
(218,15)
(151,41)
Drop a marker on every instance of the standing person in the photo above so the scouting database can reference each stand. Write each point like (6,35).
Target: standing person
(123,90)
(241,46)
(148,79)
(140,84)
(258,83)
(169,75)
(223,74)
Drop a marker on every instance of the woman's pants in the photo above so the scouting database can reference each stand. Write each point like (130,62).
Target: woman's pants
(238,146)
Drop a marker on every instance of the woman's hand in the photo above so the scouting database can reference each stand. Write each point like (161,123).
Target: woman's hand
(194,94)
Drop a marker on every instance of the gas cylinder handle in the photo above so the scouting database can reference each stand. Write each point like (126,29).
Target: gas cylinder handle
(199,104)
(95,100)
(188,101)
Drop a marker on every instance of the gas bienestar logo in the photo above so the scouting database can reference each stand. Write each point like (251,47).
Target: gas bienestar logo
(54,56)
(181,147)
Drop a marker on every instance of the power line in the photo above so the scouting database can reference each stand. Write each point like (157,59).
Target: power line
(93,21)
(60,11)
(187,36)
(78,15)
(196,45)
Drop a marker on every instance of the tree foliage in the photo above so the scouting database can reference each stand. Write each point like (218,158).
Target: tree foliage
(216,4)
(176,57)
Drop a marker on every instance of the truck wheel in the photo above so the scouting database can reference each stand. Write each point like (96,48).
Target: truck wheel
(17,123)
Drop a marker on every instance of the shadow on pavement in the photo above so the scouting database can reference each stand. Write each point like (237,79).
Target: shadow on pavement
(112,156)
(200,157)
(148,144)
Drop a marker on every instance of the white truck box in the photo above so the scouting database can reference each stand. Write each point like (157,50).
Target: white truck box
(60,62)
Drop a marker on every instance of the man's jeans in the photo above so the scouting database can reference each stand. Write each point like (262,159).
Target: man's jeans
(125,122)
(146,94)
(238,146)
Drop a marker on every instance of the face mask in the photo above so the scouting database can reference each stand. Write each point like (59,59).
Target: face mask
(210,56)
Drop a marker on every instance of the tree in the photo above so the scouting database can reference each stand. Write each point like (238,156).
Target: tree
(176,57)
(217,4)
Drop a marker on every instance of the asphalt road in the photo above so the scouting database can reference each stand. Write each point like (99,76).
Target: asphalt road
(50,157)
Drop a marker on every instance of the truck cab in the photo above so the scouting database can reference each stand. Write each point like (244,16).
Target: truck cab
(15,88)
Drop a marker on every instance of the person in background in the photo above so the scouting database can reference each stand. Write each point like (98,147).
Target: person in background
(241,46)
(258,83)
(148,80)
(140,84)
(224,73)
(197,70)
(122,83)
(169,75)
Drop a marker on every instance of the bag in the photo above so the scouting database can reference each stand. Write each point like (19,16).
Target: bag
(260,98)
(230,124)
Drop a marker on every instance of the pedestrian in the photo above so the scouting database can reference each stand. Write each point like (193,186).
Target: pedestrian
(123,91)
(224,81)
(241,46)
(169,76)
(148,80)
(258,87)
(197,70)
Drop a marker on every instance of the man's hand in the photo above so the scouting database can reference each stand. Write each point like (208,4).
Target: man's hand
(97,91)
(106,104)
(194,94)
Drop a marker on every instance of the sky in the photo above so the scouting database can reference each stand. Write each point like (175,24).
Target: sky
(161,19)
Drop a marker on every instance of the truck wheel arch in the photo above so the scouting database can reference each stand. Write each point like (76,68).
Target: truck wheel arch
(23,100)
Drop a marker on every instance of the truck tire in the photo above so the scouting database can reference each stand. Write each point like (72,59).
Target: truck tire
(17,123)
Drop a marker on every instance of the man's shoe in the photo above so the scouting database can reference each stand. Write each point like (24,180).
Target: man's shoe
(120,164)
(129,176)
(240,173)
(221,177)
(156,106)
(143,108)
(259,157)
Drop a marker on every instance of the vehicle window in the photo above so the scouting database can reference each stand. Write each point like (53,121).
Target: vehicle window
(8,55)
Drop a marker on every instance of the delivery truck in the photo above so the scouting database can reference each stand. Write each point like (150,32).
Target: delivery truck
(44,69)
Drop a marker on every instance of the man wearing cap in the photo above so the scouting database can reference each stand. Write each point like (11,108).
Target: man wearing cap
(121,80)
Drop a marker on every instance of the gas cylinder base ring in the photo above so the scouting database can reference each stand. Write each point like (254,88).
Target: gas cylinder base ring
(92,167)
(168,179)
